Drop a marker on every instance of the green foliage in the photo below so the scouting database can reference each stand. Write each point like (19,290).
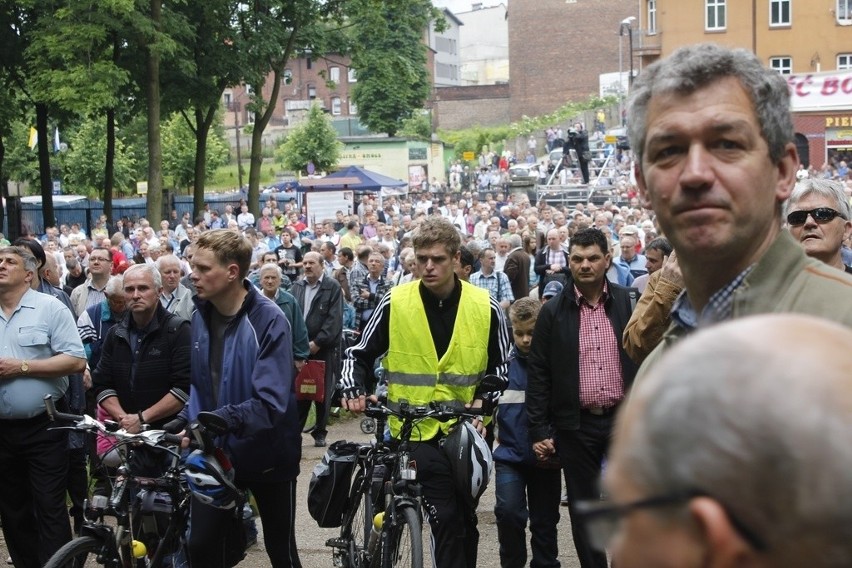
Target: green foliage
(390,59)
(418,126)
(20,163)
(179,151)
(315,141)
(84,161)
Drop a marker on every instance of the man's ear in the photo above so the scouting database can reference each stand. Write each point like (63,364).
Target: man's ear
(644,198)
(722,544)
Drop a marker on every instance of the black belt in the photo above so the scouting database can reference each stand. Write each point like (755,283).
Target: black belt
(600,411)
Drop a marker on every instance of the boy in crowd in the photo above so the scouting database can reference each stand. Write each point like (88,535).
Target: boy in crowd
(528,485)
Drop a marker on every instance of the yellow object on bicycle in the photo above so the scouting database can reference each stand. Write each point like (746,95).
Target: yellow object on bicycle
(378,521)
(138,549)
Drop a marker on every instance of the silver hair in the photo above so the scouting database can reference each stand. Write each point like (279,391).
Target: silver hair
(30,262)
(269,267)
(166,259)
(827,188)
(115,285)
(150,269)
(514,241)
(757,418)
(695,67)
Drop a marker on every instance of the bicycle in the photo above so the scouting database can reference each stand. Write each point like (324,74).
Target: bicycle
(382,522)
(138,504)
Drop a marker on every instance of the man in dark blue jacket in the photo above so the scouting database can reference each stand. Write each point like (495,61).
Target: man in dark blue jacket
(242,369)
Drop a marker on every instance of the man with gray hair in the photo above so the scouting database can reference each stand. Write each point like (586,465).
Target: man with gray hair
(715,160)
(714,462)
(820,218)
(175,297)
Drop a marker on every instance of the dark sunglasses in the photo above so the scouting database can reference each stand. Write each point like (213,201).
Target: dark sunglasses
(820,215)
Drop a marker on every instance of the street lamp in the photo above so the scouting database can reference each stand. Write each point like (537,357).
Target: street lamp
(626,24)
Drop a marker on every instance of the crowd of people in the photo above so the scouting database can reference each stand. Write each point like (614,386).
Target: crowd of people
(570,307)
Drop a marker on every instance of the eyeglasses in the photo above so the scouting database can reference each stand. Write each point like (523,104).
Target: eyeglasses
(820,214)
(601,519)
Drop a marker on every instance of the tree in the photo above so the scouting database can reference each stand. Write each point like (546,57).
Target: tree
(314,141)
(84,161)
(180,151)
(390,59)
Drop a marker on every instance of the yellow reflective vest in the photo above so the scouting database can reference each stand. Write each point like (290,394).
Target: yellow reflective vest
(414,372)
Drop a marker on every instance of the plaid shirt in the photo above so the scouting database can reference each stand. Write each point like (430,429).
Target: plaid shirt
(497,284)
(601,383)
(719,307)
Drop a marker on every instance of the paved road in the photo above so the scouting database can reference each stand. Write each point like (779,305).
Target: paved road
(311,539)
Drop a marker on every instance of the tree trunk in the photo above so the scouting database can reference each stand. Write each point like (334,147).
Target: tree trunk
(4,183)
(45,177)
(109,169)
(203,123)
(260,123)
(155,151)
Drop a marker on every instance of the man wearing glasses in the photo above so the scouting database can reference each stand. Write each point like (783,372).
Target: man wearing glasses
(715,160)
(820,218)
(714,462)
(91,293)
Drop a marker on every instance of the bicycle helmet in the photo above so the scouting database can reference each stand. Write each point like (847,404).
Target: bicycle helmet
(211,479)
(470,460)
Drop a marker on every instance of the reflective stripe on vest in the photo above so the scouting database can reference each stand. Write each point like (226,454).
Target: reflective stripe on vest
(413,370)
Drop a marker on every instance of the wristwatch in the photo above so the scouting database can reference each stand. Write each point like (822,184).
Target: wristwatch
(25,366)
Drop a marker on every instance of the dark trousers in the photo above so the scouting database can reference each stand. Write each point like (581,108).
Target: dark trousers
(33,481)
(582,452)
(527,493)
(322,408)
(455,538)
(276,504)
(584,169)
(78,484)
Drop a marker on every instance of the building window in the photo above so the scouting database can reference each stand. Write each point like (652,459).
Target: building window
(335,106)
(353,108)
(844,10)
(783,65)
(844,62)
(334,74)
(229,97)
(287,77)
(715,15)
(779,12)
(351,76)
(312,92)
(308,63)
(652,17)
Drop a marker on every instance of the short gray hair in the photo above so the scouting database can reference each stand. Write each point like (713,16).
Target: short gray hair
(150,269)
(514,240)
(269,267)
(694,67)
(115,285)
(828,188)
(729,412)
(166,259)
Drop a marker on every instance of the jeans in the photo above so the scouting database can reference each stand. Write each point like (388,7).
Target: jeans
(524,493)
(582,453)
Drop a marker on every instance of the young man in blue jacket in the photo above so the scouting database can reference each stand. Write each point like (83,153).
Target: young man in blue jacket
(242,369)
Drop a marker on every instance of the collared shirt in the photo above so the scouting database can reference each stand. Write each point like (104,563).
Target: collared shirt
(556,257)
(167,299)
(311,293)
(601,383)
(95,296)
(718,309)
(39,328)
(497,284)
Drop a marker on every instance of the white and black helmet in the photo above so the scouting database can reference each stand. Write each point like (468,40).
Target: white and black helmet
(470,459)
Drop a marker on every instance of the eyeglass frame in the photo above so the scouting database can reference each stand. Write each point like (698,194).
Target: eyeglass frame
(815,213)
(588,511)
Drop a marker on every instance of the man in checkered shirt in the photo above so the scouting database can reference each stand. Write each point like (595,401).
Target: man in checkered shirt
(497,283)
(579,374)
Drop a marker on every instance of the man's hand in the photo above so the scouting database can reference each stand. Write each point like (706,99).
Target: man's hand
(671,270)
(131,422)
(356,404)
(543,449)
(365,294)
(313,347)
(10,368)
(299,363)
(477,422)
(87,379)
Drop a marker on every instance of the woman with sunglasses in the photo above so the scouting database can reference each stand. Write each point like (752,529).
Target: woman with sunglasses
(819,217)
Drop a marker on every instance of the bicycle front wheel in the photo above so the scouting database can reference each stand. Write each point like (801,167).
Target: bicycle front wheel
(405,541)
(79,553)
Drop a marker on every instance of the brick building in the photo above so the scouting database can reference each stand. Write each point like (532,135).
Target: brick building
(558,49)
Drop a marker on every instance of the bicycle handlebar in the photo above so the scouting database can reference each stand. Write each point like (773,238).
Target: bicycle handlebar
(436,410)
(86,423)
